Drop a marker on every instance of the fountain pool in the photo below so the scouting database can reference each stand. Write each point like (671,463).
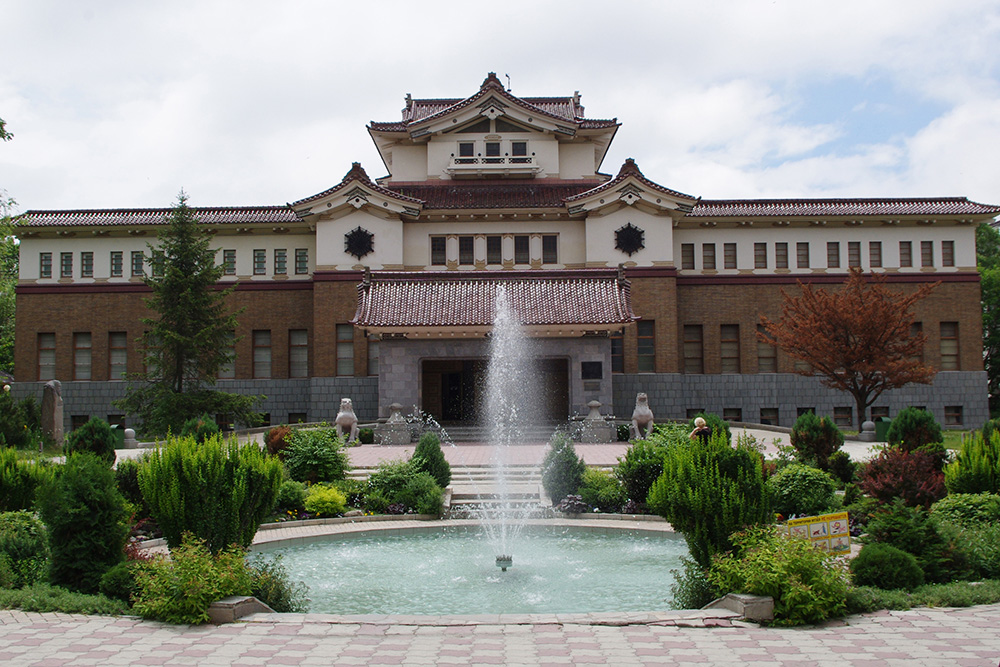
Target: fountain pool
(452,570)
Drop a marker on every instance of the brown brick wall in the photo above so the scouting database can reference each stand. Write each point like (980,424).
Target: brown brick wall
(654,298)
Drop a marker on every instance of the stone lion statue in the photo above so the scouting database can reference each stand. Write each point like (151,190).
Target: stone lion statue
(346,420)
(642,418)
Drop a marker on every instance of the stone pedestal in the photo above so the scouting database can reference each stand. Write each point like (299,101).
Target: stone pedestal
(395,431)
(595,429)
(130,441)
(867,432)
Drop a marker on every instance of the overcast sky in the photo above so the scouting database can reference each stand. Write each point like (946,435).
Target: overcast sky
(123,104)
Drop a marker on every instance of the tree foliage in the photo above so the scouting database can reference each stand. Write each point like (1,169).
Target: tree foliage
(858,339)
(988,261)
(8,271)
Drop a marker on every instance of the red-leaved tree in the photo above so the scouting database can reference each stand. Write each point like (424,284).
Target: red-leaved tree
(857,338)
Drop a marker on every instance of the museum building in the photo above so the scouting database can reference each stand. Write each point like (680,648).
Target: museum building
(383,290)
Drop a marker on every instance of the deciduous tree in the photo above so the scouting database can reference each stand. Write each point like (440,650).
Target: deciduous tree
(857,338)
(988,260)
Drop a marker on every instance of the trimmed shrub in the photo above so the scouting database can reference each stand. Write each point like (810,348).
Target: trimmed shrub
(602,490)
(815,440)
(127,481)
(807,584)
(20,479)
(714,422)
(977,468)
(390,478)
(709,491)
(271,585)
(428,457)
(86,520)
(277,442)
(200,428)
(24,546)
(884,566)
(982,546)
(841,466)
(291,495)
(366,436)
(325,501)
(562,469)
(316,455)
(353,489)
(639,468)
(912,476)
(968,510)
(119,583)
(422,495)
(914,531)
(219,490)
(913,428)
(801,490)
(95,437)
(181,588)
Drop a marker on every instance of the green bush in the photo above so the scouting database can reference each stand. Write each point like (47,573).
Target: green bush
(601,489)
(353,489)
(219,490)
(982,547)
(19,480)
(127,481)
(390,478)
(800,490)
(990,427)
(366,436)
(815,440)
(181,588)
(44,598)
(913,428)
(968,510)
(841,466)
(325,501)
(914,531)
(428,457)
(95,437)
(714,422)
(271,585)
(86,521)
(375,502)
(200,428)
(562,469)
(911,476)
(422,495)
(291,495)
(691,588)
(119,582)
(639,468)
(24,545)
(807,584)
(709,491)
(16,427)
(885,566)
(977,468)
(316,455)
(866,599)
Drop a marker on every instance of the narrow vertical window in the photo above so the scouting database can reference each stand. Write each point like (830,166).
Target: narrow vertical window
(298,353)
(947,253)
(854,253)
(781,255)
(82,356)
(521,252)
(646,345)
(693,362)
(549,249)
(949,346)
(45,264)
(301,261)
(262,353)
(708,256)
(767,354)
(617,351)
(760,255)
(439,251)
(373,356)
(117,355)
(345,349)
(117,264)
(905,253)
(927,253)
(46,356)
(137,260)
(729,255)
(229,261)
(843,416)
(729,348)
(466,250)
(494,250)
(280,261)
(875,254)
(259,262)
(687,256)
(65,265)
(802,255)
(86,264)
(832,255)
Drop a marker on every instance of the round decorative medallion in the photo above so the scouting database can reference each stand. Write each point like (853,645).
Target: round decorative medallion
(359,242)
(630,239)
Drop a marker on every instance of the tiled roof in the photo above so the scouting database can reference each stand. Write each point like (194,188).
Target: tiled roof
(357,173)
(493,193)
(749,208)
(629,168)
(224,215)
(447,299)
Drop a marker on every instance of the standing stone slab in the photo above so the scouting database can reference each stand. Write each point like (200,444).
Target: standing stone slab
(52,411)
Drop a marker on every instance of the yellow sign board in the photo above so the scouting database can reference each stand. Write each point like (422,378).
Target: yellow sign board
(829,532)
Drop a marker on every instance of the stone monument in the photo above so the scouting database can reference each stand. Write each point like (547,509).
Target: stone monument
(52,411)
(395,431)
(595,428)
(642,418)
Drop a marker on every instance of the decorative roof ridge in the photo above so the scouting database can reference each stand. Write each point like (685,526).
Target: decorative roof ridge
(814,200)
(479,182)
(358,173)
(479,276)
(149,209)
(629,169)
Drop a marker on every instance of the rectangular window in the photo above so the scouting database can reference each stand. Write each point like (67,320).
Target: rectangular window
(880,411)
(949,346)
(953,415)
(853,253)
(645,334)
(466,149)
(87,264)
(832,255)
(137,260)
(262,353)
(729,348)
(280,261)
(521,252)
(45,264)
(732,414)
(373,355)
(439,251)
(781,255)
(927,253)
(802,411)
(117,263)
(345,349)
(687,256)
(229,262)
(947,253)
(769,416)
(875,254)
(760,255)
(494,250)
(729,255)
(117,355)
(298,353)
(767,354)
(492,149)
(708,256)
(82,356)
(617,351)
(65,265)
(693,362)
(228,370)
(301,261)
(46,356)
(843,416)
(466,250)
(802,255)
(259,262)
(905,253)
(519,148)
(549,250)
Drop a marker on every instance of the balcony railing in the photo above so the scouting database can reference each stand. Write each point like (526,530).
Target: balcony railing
(493,165)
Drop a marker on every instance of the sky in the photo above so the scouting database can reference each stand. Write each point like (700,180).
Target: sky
(117,104)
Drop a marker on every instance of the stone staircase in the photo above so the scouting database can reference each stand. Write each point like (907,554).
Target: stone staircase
(463,433)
